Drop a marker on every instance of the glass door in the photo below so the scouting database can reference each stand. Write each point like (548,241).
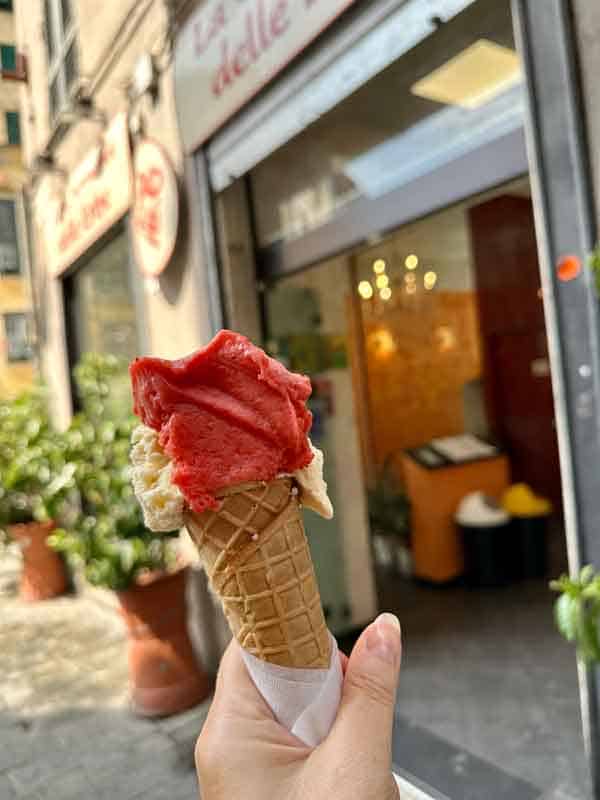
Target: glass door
(308,323)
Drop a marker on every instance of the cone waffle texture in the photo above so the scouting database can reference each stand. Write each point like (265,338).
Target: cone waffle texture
(255,552)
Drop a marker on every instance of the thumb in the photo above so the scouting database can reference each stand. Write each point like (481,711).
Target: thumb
(366,712)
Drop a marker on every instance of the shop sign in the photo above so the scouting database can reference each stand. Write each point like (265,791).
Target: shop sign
(156,208)
(97,194)
(228,50)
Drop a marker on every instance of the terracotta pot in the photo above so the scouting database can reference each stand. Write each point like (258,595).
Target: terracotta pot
(43,575)
(164,675)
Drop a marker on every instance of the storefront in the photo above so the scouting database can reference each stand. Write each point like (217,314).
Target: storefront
(108,231)
(373,217)
(86,238)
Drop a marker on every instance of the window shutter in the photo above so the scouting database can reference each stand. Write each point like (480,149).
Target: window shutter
(8,57)
(13,127)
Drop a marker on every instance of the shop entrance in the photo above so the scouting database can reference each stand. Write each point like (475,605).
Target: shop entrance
(393,241)
(428,356)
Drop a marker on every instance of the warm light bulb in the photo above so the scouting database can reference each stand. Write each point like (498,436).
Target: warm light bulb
(378,266)
(429,279)
(365,290)
(382,281)
(385,293)
(411,289)
(409,278)
(411,261)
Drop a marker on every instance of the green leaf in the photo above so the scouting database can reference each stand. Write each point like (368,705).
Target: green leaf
(586,575)
(589,647)
(566,614)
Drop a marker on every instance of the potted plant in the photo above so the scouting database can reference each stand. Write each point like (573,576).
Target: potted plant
(36,487)
(577,612)
(389,518)
(109,543)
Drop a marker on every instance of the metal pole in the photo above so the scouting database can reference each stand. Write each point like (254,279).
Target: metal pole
(564,216)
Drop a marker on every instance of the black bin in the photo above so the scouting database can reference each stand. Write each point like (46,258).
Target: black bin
(530,537)
(487,551)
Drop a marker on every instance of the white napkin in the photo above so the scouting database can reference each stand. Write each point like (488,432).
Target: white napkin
(305,701)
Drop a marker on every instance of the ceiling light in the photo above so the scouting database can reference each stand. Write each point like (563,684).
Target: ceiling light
(473,77)
(411,261)
(378,266)
(382,281)
(385,293)
(429,279)
(365,290)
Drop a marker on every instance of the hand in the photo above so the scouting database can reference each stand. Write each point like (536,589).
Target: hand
(243,753)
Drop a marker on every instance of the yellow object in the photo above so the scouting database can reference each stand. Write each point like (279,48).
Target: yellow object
(519,500)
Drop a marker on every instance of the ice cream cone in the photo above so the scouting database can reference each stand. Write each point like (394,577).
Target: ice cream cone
(255,552)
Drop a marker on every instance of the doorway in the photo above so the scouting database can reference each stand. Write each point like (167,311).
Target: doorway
(433,333)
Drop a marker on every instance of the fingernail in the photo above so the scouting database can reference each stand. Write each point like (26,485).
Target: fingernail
(388,619)
(383,638)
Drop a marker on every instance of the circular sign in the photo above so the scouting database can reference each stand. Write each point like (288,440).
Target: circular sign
(155,209)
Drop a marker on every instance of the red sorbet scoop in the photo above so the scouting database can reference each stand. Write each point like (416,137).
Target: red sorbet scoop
(226,414)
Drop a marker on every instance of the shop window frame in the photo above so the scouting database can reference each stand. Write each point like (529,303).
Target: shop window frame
(72,343)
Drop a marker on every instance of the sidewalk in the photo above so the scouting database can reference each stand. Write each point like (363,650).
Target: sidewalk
(66,732)
(65,727)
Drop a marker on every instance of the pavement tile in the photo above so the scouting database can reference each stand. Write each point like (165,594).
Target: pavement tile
(66,730)
(7,789)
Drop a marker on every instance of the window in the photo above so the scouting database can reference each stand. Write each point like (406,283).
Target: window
(61,45)
(6,5)
(8,58)
(13,127)
(18,340)
(102,308)
(9,250)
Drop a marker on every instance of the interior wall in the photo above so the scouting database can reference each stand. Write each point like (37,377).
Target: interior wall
(422,347)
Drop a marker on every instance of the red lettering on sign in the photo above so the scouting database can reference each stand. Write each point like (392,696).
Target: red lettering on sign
(151,182)
(147,218)
(90,214)
(263,26)
(69,236)
(206,30)
(279,19)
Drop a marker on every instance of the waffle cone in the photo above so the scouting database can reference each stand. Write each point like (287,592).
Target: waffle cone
(255,553)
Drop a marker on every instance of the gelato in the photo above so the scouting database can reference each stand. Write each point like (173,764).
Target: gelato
(225,415)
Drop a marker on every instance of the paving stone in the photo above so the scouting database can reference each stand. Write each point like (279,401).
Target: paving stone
(7,790)
(66,730)
(188,723)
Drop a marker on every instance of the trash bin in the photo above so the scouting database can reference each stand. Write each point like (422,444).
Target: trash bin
(530,514)
(485,532)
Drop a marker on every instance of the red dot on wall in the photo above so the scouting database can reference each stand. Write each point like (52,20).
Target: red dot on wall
(568,268)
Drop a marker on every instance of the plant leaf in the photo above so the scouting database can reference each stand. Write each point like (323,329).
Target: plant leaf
(566,614)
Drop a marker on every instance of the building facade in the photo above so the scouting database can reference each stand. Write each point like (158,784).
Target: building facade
(396,198)
(16,345)
(88,63)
